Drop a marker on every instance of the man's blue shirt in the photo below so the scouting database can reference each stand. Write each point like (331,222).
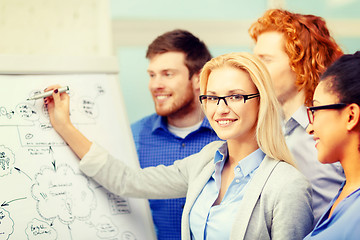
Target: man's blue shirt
(155,145)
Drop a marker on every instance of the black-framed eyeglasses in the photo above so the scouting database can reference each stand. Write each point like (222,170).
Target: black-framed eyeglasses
(234,98)
(311,110)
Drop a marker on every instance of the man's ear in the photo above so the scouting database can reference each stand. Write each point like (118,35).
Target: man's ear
(196,81)
(353,112)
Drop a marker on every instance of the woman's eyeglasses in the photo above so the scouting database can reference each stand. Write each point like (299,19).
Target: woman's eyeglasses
(228,100)
(311,110)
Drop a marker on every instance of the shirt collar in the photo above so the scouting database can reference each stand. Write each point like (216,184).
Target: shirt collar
(298,118)
(160,123)
(247,164)
(251,162)
(221,153)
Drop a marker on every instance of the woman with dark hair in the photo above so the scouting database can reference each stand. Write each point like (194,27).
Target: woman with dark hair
(335,124)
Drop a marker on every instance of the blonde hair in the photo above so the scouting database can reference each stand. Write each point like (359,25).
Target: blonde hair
(269,135)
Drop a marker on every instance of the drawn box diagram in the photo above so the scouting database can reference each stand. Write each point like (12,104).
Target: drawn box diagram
(118,205)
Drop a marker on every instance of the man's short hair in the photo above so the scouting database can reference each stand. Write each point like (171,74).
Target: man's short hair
(195,50)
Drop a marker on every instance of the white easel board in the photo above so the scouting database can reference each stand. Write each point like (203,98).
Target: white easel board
(44,196)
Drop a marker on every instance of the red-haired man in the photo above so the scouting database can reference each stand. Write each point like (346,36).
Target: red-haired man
(297,49)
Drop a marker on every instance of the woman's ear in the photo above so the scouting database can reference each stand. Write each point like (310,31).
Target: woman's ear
(353,111)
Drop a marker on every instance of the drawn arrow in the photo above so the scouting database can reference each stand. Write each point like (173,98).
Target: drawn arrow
(7,203)
(70,232)
(20,171)
(54,164)
(51,151)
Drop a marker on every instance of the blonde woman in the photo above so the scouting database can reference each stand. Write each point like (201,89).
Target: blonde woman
(243,188)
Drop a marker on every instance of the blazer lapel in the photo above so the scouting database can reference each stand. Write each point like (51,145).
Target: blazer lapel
(193,193)
(200,182)
(251,196)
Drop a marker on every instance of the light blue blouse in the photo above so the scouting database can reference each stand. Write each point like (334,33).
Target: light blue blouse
(344,223)
(215,222)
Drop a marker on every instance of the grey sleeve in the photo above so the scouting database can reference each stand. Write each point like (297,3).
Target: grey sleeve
(154,182)
(292,214)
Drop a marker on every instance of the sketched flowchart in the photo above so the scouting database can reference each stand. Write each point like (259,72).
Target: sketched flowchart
(31,118)
(54,200)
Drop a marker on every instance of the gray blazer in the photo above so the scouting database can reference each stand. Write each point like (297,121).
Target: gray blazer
(276,205)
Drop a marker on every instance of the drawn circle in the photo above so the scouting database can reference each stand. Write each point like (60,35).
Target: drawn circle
(7,224)
(29,136)
(128,236)
(3,111)
(7,160)
(65,192)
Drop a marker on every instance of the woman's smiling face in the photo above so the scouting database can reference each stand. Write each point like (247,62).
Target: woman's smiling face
(328,128)
(235,120)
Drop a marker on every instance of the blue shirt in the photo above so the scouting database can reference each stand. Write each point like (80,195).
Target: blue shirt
(156,145)
(344,222)
(215,222)
(325,179)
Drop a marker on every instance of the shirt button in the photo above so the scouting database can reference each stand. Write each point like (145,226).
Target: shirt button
(183,145)
(237,180)
(238,169)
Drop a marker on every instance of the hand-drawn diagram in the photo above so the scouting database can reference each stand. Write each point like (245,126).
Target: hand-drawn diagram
(60,186)
(52,199)
(105,228)
(6,160)
(6,224)
(37,229)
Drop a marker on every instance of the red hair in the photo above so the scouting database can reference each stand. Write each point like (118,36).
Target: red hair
(308,44)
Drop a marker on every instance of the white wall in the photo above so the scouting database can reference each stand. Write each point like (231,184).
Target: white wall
(55,27)
(125,28)
(222,25)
